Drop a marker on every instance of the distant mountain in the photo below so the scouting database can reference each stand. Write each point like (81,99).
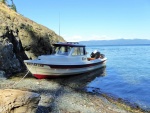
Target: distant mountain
(117,42)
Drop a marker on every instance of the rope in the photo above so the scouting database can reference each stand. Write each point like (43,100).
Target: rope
(22,77)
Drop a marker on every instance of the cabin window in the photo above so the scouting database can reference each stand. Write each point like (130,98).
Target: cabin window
(81,51)
(78,51)
(62,50)
(56,49)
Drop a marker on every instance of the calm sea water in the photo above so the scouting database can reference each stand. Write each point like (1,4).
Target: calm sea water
(127,73)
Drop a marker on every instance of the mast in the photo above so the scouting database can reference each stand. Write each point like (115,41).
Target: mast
(59,23)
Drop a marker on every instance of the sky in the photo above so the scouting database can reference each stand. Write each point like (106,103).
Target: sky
(83,20)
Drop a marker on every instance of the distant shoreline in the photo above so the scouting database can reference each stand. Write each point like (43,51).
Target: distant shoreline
(121,45)
(118,42)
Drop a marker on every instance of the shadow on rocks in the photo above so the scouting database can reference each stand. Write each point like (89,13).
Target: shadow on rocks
(43,109)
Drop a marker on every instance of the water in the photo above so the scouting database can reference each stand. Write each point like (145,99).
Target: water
(127,73)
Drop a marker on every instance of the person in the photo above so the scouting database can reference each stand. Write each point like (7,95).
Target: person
(95,54)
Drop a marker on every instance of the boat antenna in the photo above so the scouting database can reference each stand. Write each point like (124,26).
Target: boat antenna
(59,23)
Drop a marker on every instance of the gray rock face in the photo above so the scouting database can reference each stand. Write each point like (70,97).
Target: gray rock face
(2,75)
(21,39)
(16,101)
(8,61)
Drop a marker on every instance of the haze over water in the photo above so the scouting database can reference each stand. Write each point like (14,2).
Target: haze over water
(127,73)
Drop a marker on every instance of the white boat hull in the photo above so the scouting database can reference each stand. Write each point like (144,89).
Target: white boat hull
(68,59)
(41,71)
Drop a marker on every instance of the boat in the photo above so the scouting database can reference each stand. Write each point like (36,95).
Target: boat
(67,59)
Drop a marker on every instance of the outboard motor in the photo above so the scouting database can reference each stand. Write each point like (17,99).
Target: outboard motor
(96,54)
(102,56)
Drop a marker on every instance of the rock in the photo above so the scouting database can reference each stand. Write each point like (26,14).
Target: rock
(22,39)
(2,75)
(17,101)
(8,60)
(46,100)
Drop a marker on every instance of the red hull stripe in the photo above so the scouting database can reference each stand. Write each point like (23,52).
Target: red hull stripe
(41,76)
(74,66)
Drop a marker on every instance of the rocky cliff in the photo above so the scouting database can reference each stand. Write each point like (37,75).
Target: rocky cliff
(22,38)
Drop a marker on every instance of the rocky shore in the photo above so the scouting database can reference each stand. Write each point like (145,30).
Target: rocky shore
(22,38)
(67,95)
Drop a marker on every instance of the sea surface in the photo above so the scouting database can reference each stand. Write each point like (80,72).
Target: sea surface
(127,74)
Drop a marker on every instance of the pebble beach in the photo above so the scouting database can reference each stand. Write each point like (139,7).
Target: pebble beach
(67,94)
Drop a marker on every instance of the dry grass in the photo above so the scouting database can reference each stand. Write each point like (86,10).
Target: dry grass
(6,9)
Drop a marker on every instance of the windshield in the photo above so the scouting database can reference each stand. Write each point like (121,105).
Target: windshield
(62,50)
(77,51)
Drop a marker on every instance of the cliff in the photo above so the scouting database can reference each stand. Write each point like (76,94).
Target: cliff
(20,39)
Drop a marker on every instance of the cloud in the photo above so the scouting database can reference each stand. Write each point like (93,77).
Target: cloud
(97,37)
(103,37)
(77,38)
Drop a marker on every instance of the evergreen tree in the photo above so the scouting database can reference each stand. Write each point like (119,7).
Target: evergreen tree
(13,6)
(4,1)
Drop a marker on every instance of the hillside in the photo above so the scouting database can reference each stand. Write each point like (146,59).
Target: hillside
(117,42)
(22,38)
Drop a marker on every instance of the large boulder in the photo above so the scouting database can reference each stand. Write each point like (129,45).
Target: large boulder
(22,38)
(8,60)
(17,101)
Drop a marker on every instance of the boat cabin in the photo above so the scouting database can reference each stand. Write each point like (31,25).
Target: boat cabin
(69,49)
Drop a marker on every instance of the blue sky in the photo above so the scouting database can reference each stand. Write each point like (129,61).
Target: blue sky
(91,19)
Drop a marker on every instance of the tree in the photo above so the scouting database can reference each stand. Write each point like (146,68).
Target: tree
(4,1)
(13,6)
